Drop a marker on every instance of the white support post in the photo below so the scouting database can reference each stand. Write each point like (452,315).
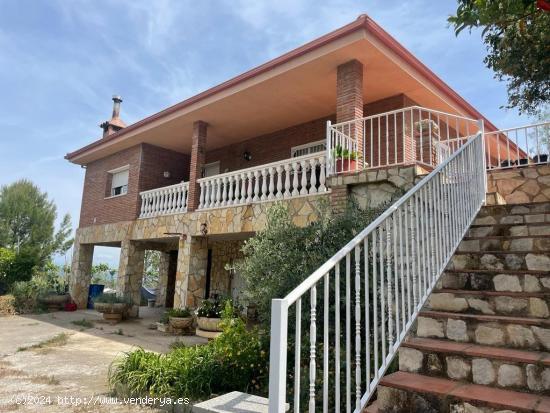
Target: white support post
(329,149)
(277,356)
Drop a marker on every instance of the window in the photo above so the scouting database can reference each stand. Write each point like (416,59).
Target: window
(119,180)
(211,169)
(308,148)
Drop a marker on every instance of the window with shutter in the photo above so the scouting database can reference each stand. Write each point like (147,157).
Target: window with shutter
(119,181)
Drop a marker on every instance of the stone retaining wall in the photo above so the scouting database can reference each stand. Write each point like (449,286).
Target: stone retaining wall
(521,185)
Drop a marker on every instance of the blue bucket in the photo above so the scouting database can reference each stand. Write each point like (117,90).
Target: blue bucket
(93,292)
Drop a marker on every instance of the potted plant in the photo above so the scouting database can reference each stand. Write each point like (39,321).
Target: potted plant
(346,160)
(112,306)
(180,318)
(209,314)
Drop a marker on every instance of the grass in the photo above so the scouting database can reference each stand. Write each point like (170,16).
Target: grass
(83,323)
(44,379)
(56,341)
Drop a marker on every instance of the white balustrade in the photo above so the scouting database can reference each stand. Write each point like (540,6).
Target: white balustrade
(403,136)
(526,145)
(398,260)
(163,201)
(293,177)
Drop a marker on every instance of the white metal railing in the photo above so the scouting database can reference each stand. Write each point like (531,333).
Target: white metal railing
(371,291)
(162,201)
(304,175)
(526,145)
(403,136)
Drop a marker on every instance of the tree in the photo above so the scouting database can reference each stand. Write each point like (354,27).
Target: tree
(151,268)
(27,227)
(517,35)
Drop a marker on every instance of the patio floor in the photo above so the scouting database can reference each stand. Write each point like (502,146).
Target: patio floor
(79,366)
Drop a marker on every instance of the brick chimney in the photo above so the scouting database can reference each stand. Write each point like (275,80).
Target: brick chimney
(115,124)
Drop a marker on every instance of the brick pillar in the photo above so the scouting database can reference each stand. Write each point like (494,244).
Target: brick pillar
(349,98)
(130,273)
(191,272)
(81,273)
(197,162)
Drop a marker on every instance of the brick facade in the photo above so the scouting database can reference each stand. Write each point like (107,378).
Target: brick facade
(147,163)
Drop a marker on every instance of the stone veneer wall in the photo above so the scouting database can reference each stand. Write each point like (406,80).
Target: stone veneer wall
(521,185)
(223,252)
(369,188)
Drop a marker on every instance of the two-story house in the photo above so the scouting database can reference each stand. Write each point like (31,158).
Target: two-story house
(352,112)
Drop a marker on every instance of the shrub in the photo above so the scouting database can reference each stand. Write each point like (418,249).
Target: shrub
(281,256)
(212,307)
(236,360)
(26,294)
(179,312)
(7,305)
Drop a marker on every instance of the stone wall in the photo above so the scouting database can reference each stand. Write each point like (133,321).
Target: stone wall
(520,185)
(223,253)
(373,187)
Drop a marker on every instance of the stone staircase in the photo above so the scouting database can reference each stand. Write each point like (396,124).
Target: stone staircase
(482,342)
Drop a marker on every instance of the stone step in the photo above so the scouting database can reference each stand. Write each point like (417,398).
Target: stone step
(491,302)
(515,209)
(500,260)
(529,218)
(403,392)
(491,330)
(533,229)
(506,244)
(371,408)
(493,280)
(491,366)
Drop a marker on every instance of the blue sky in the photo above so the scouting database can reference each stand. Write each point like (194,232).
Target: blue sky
(62,60)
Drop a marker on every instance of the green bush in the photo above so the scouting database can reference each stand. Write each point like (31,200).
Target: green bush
(236,360)
(213,307)
(179,312)
(26,294)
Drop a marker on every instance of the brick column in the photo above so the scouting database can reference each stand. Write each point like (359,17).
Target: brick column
(81,273)
(349,98)
(197,162)
(130,273)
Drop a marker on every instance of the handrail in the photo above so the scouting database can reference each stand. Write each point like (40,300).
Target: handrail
(321,271)
(398,258)
(150,191)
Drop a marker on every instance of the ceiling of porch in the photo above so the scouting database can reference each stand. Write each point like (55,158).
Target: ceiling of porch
(297,91)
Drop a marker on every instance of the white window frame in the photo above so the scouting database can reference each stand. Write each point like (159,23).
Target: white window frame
(308,146)
(124,188)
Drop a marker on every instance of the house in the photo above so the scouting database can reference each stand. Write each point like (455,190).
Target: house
(352,113)
(194,180)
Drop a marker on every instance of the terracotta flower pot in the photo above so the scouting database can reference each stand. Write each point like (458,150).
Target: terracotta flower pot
(209,324)
(180,322)
(346,165)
